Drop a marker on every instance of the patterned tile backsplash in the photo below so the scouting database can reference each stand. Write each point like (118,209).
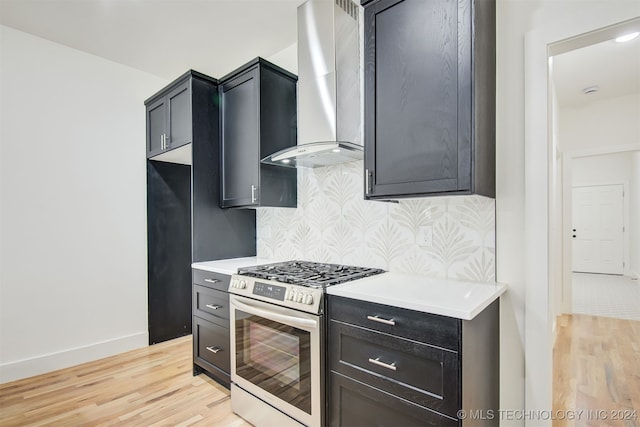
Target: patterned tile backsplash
(333,223)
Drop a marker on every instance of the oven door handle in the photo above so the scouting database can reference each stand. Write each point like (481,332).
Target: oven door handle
(294,321)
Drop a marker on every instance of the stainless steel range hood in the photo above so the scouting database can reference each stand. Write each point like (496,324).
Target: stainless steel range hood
(328,87)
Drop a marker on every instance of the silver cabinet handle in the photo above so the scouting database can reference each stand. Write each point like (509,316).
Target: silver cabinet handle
(366,181)
(253,194)
(211,280)
(162,142)
(381,320)
(377,361)
(214,349)
(213,307)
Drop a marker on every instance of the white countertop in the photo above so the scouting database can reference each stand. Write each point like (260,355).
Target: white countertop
(230,266)
(453,298)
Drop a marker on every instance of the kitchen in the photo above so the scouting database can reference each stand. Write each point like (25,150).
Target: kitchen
(80,201)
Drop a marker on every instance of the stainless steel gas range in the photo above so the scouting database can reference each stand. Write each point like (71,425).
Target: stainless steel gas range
(278,337)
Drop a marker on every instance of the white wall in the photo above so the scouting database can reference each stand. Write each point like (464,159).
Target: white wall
(287,58)
(73,281)
(634,208)
(602,169)
(608,122)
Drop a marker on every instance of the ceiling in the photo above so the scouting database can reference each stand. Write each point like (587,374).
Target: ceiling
(614,67)
(162,37)
(167,37)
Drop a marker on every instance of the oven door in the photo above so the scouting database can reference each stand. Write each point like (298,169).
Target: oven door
(277,357)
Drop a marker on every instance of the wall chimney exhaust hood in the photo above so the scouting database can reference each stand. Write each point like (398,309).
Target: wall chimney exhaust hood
(329,124)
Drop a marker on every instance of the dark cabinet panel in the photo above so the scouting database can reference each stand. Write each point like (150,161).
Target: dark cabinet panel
(211,279)
(211,305)
(433,329)
(258,110)
(428,129)
(169,118)
(355,404)
(169,250)
(179,119)
(185,222)
(417,372)
(211,349)
(156,126)
(380,377)
(240,154)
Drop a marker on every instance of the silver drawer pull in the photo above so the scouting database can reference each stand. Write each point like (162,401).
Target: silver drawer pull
(381,320)
(218,349)
(213,307)
(377,361)
(211,280)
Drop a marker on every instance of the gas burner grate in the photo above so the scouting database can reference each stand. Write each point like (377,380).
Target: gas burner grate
(307,273)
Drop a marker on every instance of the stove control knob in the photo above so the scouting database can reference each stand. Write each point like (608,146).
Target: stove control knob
(242,284)
(308,299)
(291,295)
(300,297)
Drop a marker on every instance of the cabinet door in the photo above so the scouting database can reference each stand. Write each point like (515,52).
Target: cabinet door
(419,373)
(353,403)
(179,116)
(417,97)
(240,139)
(156,126)
(211,345)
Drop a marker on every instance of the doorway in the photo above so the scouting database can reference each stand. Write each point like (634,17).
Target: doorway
(544,166)
(599,213)
(594,185)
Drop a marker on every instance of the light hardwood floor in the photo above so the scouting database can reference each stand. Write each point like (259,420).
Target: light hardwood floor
(596,369)
(152,386)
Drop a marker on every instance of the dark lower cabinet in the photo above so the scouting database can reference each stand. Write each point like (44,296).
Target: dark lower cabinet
(185,223)
(429,97)
(355,404)
(390,366)
(211,338)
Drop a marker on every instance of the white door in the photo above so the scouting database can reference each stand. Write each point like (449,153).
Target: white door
(598,229)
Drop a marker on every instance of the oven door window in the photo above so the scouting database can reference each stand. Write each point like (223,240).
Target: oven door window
(275,357)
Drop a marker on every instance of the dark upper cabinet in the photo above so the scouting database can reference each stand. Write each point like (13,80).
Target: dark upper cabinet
(429,97)
(258,118)
(169,118)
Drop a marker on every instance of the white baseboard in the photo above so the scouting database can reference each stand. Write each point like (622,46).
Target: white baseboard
(51,362)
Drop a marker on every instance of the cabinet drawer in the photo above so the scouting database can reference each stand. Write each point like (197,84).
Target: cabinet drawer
(354,404)
(420,373)
(211,343)
(211,280)
(211,305)
(428,328)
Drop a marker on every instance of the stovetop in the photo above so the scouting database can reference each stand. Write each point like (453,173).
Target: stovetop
(308,274)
